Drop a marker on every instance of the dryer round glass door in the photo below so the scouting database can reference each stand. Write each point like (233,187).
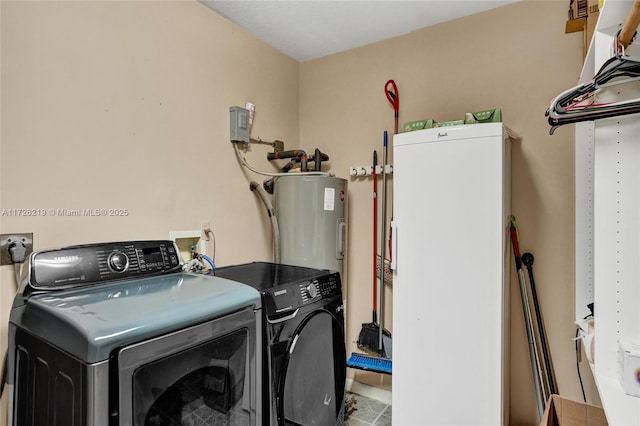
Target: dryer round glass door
(312,384)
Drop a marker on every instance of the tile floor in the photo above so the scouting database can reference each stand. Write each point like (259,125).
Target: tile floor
(363,411)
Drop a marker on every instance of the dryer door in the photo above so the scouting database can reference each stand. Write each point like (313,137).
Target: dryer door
(202,373)
(311,385)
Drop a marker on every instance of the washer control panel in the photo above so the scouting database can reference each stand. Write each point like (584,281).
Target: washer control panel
(286,298)
(97,263)
(320,288)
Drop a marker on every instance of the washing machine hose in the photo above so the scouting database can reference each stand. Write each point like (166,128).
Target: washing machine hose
(254,186)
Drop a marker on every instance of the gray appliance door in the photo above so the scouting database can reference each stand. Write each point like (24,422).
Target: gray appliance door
(312,382)
(202,375)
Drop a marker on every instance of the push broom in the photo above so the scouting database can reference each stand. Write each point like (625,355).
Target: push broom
(373,337)
(368,340)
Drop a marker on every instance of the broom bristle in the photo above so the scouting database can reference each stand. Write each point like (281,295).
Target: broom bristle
(364,362)
(368,338)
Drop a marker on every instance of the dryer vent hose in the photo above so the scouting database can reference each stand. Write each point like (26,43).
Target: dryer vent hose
(258,189)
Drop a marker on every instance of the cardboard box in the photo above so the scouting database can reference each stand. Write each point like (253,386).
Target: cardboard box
(584,21)
(410,126)
(590,26)
(578,9)
(487,116)
(629,367)
(565,412)
(449,123)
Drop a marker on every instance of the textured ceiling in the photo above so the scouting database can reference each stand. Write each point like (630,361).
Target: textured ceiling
(310,29)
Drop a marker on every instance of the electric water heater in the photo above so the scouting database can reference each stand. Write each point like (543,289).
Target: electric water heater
(312,217)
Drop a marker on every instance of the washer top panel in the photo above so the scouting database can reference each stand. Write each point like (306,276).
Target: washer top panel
(90,322)
(265,275)
(284,288)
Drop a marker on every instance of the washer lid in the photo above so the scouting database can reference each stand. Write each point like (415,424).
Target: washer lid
(265,275)
(91,322)
(284,288)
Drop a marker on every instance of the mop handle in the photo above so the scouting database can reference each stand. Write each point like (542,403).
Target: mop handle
(382,242)
(375,236)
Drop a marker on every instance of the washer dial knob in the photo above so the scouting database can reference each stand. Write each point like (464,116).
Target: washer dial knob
(312,290)
(118,261)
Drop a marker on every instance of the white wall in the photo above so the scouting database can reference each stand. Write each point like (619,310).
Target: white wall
(126,105)
(516,58)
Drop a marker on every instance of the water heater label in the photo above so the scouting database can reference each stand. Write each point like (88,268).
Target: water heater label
(329,198)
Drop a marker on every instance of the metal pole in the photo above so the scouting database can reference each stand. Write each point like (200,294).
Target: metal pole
(538,380)
(527,259)
(383,237)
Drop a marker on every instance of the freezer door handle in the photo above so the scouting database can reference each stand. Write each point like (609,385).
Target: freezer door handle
(394,246)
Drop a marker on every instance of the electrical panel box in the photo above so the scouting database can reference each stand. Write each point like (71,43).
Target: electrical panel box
(239,124)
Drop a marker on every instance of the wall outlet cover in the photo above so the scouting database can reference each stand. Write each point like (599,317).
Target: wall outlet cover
(8,240)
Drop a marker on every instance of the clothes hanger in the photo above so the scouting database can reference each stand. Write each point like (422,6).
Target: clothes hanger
(578,103)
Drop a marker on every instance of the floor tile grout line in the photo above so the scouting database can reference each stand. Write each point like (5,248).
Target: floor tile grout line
(379,415)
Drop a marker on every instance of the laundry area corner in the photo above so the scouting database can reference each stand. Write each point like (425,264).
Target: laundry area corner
(210,219)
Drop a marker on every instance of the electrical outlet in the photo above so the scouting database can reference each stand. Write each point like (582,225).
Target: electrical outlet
(8,240)
(205,225)
(207,242)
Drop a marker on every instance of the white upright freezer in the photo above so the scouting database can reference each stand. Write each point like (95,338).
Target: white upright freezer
(451,195)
